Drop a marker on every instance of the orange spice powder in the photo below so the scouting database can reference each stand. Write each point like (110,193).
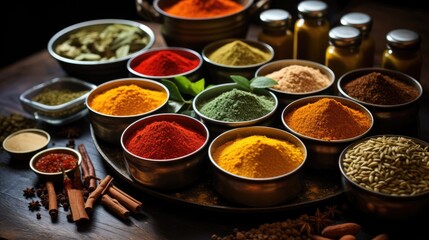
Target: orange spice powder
(203,8)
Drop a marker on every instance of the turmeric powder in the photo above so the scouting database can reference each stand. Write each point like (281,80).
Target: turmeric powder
(328,119)
(258,156)
(127,100)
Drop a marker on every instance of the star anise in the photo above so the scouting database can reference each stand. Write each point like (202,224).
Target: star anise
(319,220)
(304,224)
(332,211)
(34,205)
(29,192)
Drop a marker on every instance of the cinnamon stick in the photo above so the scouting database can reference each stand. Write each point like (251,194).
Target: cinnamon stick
(52,199)
(126,200)
(77,179)
(89,204)
(115,206)
(88,169)
(77,205)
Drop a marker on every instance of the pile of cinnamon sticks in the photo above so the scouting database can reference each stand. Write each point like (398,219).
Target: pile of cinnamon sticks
(112,197)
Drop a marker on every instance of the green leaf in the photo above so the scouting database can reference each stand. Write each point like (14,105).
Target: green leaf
(174,91)
(197,87)
(262,82)
(241,81)
(175,106)
(183,84)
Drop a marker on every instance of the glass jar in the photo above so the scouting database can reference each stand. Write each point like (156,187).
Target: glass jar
(311,31)
(402,52)
(276,32)
(343,54)
(363,22)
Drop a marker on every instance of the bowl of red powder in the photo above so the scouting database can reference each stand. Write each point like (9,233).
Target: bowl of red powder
(297,78)
(326,124)
(50,163)
(115,104)
(392,97)
(194,23)
(165,63)
(166,150)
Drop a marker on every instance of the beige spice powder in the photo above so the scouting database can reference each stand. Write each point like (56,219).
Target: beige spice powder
(299,79)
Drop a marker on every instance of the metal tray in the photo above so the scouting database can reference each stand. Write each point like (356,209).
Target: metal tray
(317,187)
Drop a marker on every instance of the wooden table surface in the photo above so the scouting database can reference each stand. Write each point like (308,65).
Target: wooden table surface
(162,219)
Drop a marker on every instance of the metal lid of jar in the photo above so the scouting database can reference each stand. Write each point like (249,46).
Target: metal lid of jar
(403,39)
(361,21)
(345,36)
(275,19)
(312,9)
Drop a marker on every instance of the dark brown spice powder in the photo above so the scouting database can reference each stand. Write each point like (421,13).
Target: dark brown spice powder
(377,88)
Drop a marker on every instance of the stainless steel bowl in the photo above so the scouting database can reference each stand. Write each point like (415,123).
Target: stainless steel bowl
(58,114)
(388,119)
(195,33)
(287,97)
(109,128)
(256,192)
(323,154)
(220,73)
(166,173)
(103,70)
(383,206)
(54,176)
(217,126)
(193,74)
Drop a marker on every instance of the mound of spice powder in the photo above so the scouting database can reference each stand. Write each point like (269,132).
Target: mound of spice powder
(328,119)
(377,88)
(237,105)
(203,9)
(238,53)
(299,79)
(164,140)
(166,63)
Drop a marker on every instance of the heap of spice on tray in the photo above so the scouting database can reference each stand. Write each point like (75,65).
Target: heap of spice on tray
(166,63)
(203,9)
(127,100)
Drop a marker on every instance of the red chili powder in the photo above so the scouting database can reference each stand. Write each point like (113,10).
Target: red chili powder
(164,140)
(165,63)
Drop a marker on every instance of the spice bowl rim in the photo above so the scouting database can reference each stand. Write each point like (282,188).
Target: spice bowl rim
(389,72)
(311,99)
(213,46)
(68,150)
(135,60)
(370,191)
(22,155)
(105,21)
(301,62)
(257,129)
(196,104)
(122,82)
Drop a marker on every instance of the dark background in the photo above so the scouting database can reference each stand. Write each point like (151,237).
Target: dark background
(27,26)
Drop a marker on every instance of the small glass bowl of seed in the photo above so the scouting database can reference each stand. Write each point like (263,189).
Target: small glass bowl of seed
(386,176)
(58,101)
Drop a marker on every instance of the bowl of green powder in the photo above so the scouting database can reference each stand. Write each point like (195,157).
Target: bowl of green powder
(228,105)
(235,56)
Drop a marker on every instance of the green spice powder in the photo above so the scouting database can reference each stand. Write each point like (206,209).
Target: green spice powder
(54,97)
(237,105)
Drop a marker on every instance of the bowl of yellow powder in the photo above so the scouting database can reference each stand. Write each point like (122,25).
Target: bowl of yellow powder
(225,106)
(23,144)
(235,56)
(257,166)
(326,124)
(297,78)
(115,104)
